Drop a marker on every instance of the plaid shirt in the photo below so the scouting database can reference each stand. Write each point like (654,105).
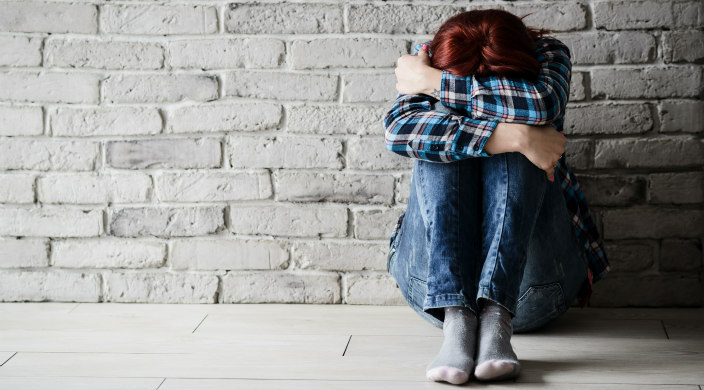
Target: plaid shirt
(414,129)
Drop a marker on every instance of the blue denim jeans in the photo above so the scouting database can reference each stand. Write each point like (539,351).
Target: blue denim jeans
(487,228)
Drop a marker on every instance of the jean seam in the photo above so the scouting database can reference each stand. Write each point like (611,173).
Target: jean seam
(503,224)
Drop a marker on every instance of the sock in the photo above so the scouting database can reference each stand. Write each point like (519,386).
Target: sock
(496,359)
(455,361)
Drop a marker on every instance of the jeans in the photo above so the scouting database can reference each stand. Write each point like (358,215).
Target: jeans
(489,228)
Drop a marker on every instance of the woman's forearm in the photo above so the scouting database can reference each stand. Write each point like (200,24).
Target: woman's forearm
(506,138)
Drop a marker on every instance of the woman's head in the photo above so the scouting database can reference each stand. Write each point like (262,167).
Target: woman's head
(486,42)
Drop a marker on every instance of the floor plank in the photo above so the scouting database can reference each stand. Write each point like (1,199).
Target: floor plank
(78,383)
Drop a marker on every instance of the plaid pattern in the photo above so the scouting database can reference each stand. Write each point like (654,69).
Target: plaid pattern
(414,130)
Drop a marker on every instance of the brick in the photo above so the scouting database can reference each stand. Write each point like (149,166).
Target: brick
(613,190)
(371,289)
(90,188)
(280,287)
(403,188)
(17,188)
(654,82)
(226,53)
(283,18)
(47,154)
(371,153)
(107,253)
(340,255)
(681,255)
(375,224)
(156,287)
(18,120)
(20,51)
(104,121)
(293,221)
(682,115)
(347,53)
(647,290)
(52,285)
(224,117)
(626,47)
(398,19)
(316,187)
(158,19)
(365,87)
(608,119)
(629,14)
(217,186)
(577,90)
(640,222)
(683,46)
(228,254)
(579,153)
(677,188)
(284,152)
(281,86)
(329,119)
(50,222)
(166,221)
(688,13)
(26,252)
(24,16)
(559,16)
(164,153)
(631,256)
(49,87)
(159,88)
(650,152)
(99,54)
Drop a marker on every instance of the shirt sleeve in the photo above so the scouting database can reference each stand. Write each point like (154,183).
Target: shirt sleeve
(538,102)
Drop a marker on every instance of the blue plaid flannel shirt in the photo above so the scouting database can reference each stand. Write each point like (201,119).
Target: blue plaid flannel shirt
(414,130)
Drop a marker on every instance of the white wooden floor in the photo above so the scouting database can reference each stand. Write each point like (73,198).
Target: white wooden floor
(100,346)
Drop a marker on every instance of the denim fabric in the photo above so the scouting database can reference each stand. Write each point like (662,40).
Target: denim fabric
(487,228)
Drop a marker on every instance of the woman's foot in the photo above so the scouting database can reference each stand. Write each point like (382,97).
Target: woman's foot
(455,361)
(496,359)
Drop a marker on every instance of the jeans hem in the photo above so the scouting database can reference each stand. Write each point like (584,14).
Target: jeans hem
(444,300)
(503,300)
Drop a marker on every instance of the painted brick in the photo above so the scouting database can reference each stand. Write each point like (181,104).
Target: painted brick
(226,53)
(284,152)
(166,221)
(398,19)
(631,256)
(17,188)
(293,221)
(371,153)
(107,253)
(647,290)
(161,287)
(104,121)
(682,188)
(283,18)
(20,51)
(45,154)
(366,87)
(212,186)
(90,188)
(579,153)
(558,16)
(577,90)
(375,224)
(613,190)
(228,254)
(626,47)
(224,117)
(682,115)
(403,188)
(158,88)
(49,17)
(650,152)
(21,121)
(54,285)
(281,86)
(340,255)
(622,15)
(50,222)
(26,252)
(93,53)
(640,222)
(655,82)
(329,119)
(608,119)
(372,289)
(164,153)
(158,19)
(280,287)
(683,46)
(315,187)
(347,53)
(681,255)
(59,87)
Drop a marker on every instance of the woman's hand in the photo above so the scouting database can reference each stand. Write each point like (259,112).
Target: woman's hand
(414,75)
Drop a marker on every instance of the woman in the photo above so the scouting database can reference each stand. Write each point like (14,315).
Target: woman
(492,245)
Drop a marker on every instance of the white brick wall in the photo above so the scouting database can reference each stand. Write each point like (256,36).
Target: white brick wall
(220,152)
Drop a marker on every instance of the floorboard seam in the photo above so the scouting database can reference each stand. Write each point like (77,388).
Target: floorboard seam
(201,321)
(348,344)
(162,382)
(8,359)
(664,328)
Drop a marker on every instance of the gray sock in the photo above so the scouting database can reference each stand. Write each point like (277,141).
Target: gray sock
(455,361)
(496,359)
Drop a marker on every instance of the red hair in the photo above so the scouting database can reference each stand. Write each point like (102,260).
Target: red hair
(486,42)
